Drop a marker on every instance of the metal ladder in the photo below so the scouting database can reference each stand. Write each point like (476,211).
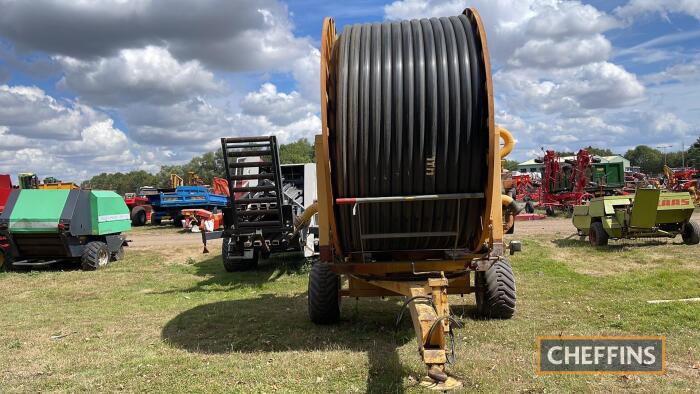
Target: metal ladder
(264,200)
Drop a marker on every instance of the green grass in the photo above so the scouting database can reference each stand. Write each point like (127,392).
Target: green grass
(156,324)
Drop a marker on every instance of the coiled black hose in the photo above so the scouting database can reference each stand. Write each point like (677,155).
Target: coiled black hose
(408,116)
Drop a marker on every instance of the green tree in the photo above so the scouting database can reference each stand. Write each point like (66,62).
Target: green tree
(650,160)
(599,151)
(297,152)
(692,157)
(510,165)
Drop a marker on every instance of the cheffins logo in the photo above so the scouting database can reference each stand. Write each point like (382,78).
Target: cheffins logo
(601,355)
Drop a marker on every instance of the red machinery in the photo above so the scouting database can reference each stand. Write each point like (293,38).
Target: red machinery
(5,189)
(139,206)
(525,188)
(683,180)
(564,186)
(198,218)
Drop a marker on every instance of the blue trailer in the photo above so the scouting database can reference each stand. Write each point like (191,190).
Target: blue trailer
(169,203)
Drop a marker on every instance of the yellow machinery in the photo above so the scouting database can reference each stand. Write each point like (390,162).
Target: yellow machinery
(409,224)
(194,180)
(176,181)
(58,185)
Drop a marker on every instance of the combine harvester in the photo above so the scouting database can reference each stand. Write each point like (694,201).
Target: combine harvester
(649,213)
(43,227)
(272,206)
(409,188)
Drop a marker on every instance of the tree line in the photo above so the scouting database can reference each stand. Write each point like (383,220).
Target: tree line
(207,166)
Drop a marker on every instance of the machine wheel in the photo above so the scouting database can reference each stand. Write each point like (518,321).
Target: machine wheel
(324,294)
(177,221)
(549,211)
(156,221)
(691,233)
(118,255)
(570,211)
(96,255)
(529,207)
(597,235)
(138,216)
(496,299)
(236,265)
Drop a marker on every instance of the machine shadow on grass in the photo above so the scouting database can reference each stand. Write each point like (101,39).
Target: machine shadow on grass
(614,246)
(272,323)
(269,270)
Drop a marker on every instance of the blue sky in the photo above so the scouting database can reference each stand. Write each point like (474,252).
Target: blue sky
(115,85)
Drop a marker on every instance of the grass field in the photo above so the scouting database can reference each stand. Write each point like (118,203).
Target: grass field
(171,320)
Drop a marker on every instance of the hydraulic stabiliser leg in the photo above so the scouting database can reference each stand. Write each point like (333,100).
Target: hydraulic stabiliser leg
(430,314)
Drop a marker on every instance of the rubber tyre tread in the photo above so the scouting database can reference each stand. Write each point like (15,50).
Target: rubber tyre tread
(691,233)
(324,294)
(499,295)
(90,259)
(138,216)
(601,237)
(529,207)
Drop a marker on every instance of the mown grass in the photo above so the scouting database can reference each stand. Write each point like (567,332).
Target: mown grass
(159,324)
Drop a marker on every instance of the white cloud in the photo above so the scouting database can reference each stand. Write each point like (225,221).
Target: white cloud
(569,91)
(567,52)
(682,72)
(147,74)
(279,108)
(636,8)
(29,112)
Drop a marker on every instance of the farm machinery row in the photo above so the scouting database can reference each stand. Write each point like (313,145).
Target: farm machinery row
(566,183)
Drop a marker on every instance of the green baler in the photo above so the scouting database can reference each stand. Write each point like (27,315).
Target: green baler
(47,226)
(648,213)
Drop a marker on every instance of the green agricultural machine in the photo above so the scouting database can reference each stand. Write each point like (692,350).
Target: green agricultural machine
(648,213)
(44,227)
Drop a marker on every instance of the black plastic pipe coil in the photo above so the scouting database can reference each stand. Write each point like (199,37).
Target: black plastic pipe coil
(408,116)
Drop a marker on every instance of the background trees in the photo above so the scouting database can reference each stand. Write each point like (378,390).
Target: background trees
(207,166)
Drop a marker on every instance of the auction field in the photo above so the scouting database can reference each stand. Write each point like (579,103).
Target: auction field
(168,318)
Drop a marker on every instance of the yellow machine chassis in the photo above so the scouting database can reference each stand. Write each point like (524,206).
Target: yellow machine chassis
(374,279)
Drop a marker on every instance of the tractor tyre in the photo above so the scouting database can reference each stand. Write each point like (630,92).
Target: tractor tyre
(156,221)
(95,255)
(324,294)
(138,216)
(691,233)
(549,211)
(597,235)
(118,255)
(495,295)
(529,207)
(237,265)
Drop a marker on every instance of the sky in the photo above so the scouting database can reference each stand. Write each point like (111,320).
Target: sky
(91,86)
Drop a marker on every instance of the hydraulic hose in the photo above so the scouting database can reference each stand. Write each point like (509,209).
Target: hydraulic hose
(407,116)
(304,219)
(508,141)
